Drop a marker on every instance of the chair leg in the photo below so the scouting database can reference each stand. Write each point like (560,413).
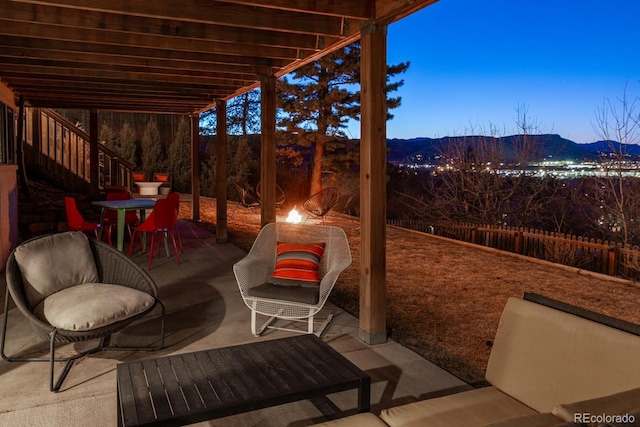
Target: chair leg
(55,384)
(310,325)
(324,325)
(135,237)
(179,239)
(253,323)
(175,247)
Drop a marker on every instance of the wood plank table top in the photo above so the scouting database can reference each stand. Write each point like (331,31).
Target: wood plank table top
(203,385)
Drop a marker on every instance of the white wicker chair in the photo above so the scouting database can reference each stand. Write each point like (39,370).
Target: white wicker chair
(255,269)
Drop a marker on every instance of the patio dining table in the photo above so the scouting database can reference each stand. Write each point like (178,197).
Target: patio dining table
(121,207)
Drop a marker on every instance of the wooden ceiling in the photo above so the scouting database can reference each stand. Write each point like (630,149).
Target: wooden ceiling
(169,56)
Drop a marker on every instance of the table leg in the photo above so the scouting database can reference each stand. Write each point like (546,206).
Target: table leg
(121,215)
(143,237)
(101,224)
(364,395)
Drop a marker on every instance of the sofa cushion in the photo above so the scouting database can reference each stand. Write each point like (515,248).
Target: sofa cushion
(536,420)
(55,262)
(297,264)
(614,404)
(300,294)
(92,305)
(469,408)
(543,357)
(366,419)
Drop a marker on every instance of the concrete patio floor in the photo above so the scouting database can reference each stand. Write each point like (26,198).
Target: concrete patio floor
(204,310)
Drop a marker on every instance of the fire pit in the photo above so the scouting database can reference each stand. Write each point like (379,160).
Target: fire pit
(294,217)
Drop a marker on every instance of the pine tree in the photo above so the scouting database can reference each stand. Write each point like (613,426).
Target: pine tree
(243,113)
(180,157)
(153,156)
(241,161)
(107,136)
(318,102)
(128,144)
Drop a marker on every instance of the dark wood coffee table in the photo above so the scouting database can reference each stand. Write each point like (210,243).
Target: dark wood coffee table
(193,387)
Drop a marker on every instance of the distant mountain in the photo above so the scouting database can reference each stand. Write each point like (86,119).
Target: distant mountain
(611,146)
(550,146)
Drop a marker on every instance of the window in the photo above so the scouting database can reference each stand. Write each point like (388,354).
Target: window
(7,135)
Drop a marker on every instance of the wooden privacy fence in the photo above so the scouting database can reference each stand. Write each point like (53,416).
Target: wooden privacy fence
(602,256)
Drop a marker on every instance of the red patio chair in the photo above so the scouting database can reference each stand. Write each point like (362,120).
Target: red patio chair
(76,221)
(160,223)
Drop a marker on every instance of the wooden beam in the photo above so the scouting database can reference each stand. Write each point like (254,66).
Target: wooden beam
(52,70)
(221,79)
(221,171)
(195,167)
(373,168)
(121,39)
(222,62)
(268,148)
(76,18)
(360,9)
(10,54)
(211,12)
(388,12)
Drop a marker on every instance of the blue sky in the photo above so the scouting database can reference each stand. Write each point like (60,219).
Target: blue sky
(473,62)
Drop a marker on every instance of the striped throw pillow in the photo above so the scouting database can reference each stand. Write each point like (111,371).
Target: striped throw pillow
(297,264)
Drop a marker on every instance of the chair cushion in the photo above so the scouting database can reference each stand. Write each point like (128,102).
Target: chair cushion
(92,305)
(613,404)
(52,263)
(297,264)
(139,176)
(300,294)
(468,408)
(365,419)
(545,419)
(521,365)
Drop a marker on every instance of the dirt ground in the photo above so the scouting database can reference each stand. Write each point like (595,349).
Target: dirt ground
(444,298)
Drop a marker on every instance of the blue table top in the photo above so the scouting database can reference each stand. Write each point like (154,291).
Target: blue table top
(126,204)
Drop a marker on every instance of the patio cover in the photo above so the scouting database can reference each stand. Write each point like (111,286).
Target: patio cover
(169,56)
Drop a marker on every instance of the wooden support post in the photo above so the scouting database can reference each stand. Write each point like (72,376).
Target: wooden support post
(22,172)
(195,167)
(36,132)
(221,171)
(94,157)
(268,148)
(114,176)
(373,168)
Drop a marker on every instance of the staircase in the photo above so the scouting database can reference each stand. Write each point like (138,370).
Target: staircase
(59,151)
(57,161)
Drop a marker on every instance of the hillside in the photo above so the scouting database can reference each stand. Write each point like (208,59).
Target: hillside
(550,146)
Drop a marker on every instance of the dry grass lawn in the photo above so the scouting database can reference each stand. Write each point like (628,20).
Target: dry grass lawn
(444,298)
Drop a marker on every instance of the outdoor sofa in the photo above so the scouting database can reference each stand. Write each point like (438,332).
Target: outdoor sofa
(551,364)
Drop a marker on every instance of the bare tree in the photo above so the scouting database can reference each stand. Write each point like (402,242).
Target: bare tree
(618,124)
(486,178)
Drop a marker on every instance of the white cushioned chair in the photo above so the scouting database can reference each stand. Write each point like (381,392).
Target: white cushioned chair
(72,288)
(294,300)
